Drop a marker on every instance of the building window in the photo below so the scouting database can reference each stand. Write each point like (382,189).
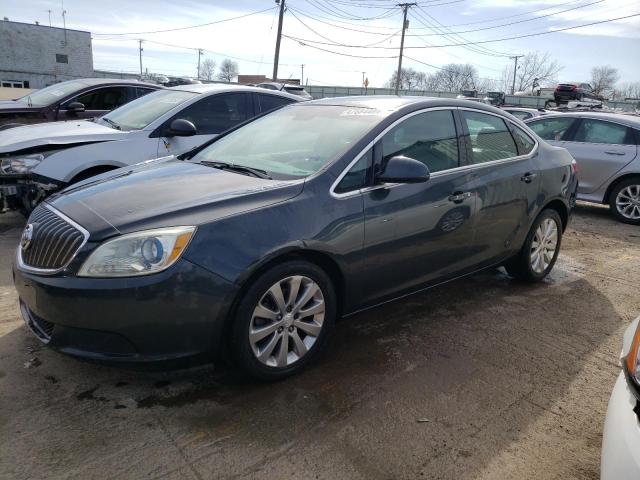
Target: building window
(62,58)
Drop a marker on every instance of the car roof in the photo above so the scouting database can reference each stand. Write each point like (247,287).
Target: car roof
(107,81)
(390,103)
(208,88)
(629,120)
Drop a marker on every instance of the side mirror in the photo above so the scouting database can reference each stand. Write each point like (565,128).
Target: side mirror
(401,169)
(181,128)
(75,107)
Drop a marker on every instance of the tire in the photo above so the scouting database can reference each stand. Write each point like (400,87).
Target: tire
(282,325)
(626,193)
(523,266)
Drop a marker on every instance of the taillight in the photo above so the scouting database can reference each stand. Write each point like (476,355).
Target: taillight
(574,167)
(632,360)
(573,88)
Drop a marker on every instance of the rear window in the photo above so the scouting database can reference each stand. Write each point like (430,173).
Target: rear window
(598,131)
(490,137)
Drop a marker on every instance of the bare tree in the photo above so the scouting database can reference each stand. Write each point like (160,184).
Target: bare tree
(538,67)
(228,70)
(603,79)
(627,90)
(410,79)
(208,69)
(455,77)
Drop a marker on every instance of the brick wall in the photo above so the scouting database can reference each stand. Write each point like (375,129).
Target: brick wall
(28,52)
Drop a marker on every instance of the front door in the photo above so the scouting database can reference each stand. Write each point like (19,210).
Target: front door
(601,149)
(418,233)
(97,102)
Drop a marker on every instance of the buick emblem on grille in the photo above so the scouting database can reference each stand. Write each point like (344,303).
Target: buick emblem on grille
(27,235)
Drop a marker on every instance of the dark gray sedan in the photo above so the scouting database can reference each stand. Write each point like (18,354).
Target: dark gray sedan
(255,243)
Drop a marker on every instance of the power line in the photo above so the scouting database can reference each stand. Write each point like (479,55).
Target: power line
(192,26)
(302,43)
(480,42)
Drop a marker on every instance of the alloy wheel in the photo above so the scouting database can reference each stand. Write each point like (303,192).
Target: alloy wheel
(628,202)
(543,245)
(287,321)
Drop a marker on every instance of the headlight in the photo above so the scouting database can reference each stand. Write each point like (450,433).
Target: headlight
(140,253)
(631,351)
(20,165)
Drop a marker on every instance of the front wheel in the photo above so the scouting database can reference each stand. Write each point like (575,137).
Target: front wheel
(624,201)
(283,320)
(540,250)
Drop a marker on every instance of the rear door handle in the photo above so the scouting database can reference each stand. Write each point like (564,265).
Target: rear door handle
(459,197)
(528,177)
(613,152)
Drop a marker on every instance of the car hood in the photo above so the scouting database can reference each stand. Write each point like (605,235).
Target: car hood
(56,133)
(166,192)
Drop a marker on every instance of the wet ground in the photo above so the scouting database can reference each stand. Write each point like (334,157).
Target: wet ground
(484,378)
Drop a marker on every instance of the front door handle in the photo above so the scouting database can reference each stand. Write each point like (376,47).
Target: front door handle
(528,177)
(613,152)
(459,197)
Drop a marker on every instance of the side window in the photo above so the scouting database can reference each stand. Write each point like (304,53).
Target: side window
(490,138)
(597,131)
(103,98)
(271,102)
(521,115)
(428,137)
(216,113)
(524,142)
(356,177)
(141,91)
(551,128)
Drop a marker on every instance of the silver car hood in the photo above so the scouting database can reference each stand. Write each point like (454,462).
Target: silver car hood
(56,133)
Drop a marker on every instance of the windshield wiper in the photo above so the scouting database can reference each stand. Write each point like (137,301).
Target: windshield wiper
(256,172)
(112,123)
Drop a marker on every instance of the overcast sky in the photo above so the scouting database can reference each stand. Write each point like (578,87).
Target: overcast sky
(251,40)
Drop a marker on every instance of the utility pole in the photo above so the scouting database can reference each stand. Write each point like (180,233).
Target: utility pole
(277,55)
(515,67)
(363,74)
(405,7)
(140,47)
(302,76)
(199,53)
(49,17)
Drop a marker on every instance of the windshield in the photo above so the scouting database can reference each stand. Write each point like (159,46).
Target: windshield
(48,95)
(295,141)
(138,114)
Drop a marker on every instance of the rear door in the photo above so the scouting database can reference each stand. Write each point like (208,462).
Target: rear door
(211,116)
(418,233)
(506,182)
(601,149)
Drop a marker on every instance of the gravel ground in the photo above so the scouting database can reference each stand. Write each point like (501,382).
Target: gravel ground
(483,378)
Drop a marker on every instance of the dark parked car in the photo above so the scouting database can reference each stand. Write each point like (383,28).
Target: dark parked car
(71,100)
(285,87)
(566,92)
(256,242)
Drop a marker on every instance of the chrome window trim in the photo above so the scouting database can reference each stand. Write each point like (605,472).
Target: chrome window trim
(461,168)
(48,271)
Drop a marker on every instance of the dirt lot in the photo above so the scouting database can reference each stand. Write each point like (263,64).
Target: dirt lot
(482,378)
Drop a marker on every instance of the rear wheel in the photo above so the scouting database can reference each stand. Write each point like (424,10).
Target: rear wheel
(540,250)
(624,201)
(283,320)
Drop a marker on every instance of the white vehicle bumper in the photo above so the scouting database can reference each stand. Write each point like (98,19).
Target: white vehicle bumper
(621,439)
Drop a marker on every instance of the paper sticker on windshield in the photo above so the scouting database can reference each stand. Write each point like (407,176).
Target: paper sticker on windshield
(359,111)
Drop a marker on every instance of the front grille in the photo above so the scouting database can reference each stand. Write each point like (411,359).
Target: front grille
(54,240)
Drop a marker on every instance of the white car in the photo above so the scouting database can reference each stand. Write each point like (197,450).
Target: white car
(523,113)
(621,439)
(37,160)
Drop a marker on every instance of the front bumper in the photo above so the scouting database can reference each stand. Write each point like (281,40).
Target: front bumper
(621,439)
(172,314)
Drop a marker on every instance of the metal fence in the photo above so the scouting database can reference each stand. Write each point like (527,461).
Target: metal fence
(523,101)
